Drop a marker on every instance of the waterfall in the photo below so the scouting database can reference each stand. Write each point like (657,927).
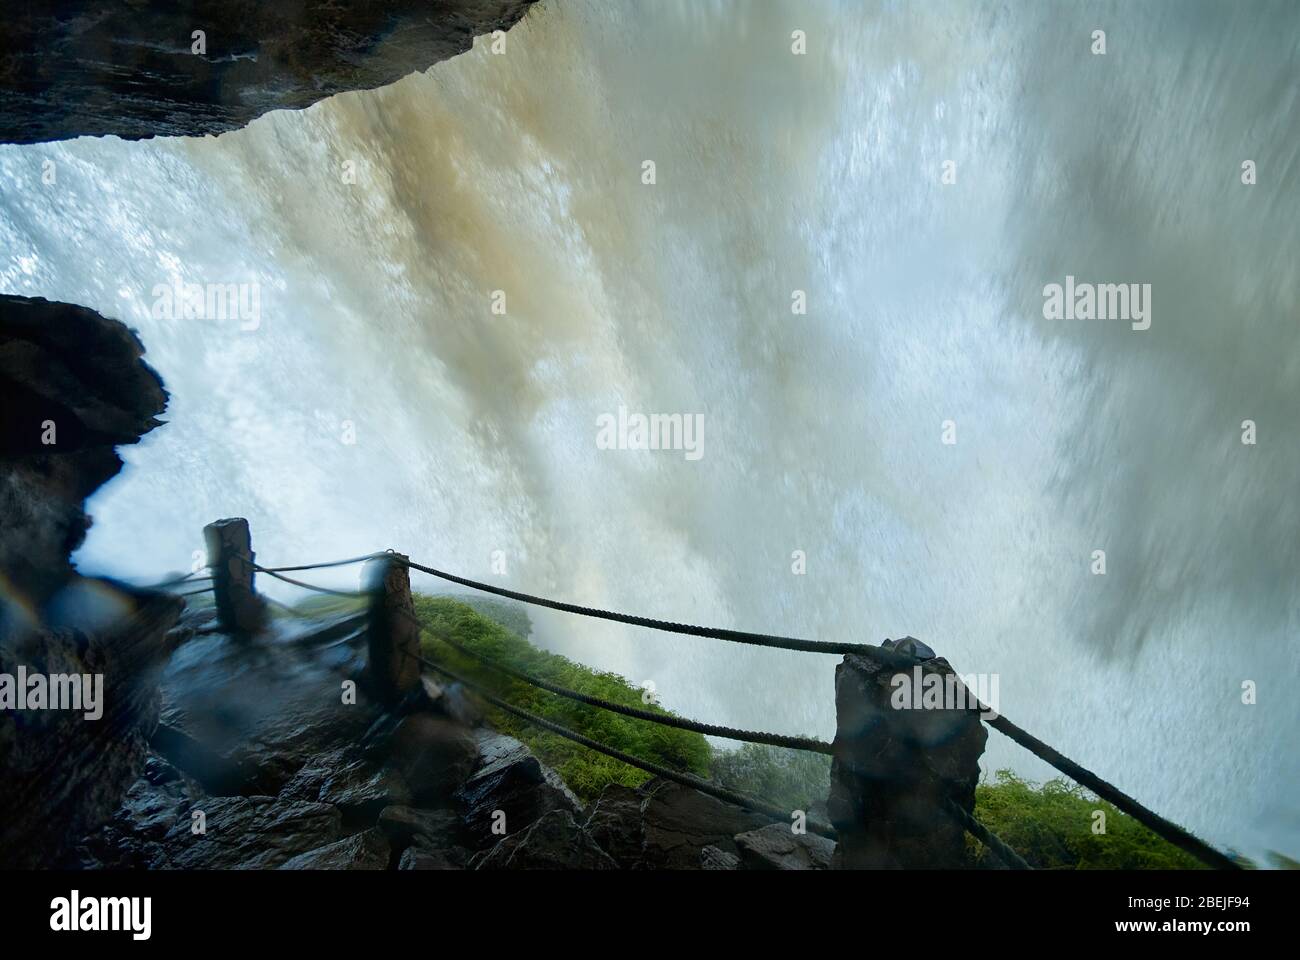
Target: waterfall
(457,276)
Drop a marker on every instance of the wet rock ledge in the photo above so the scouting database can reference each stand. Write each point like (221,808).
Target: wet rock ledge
(70,69)
(422,789)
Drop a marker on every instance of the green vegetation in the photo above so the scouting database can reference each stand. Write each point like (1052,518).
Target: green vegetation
(1050,825)
(319,606)
(585,771)
(792,779)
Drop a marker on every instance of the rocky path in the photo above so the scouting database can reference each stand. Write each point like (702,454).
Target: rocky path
(261,761)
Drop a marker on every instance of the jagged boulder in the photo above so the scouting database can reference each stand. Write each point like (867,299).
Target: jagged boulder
(359,787)
(74,68)
(368,850)
(663,825)
(133,838)
(402,824)
(615,824)
(711,858)
(776,847)
(513,781)
(424,855)
(428,839)
(678,823)
(554,842)
(251,833)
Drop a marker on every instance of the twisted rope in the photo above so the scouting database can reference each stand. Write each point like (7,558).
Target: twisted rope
(996,845)
(685,779)
(708,729)
(350,594)
(1157,824)
(734,636)
(1170,831)
(1166,829)
(320,566)
(179,580)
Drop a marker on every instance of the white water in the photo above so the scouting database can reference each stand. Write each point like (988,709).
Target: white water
(476,433)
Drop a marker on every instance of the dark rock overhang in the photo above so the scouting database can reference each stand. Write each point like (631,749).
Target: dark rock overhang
(135,70)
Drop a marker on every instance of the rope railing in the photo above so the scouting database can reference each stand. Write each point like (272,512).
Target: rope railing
(734,636)
(1175,834)
(322,565)
(350,594)
(197,575)
(193,577)
(1164,828)
(1167,829)
(1157,824)
(685,779)
(999,848)
(995,844)
(707,729)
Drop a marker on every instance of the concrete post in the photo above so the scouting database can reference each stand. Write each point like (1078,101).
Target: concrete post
(894,767)
(394,637)
(230,555)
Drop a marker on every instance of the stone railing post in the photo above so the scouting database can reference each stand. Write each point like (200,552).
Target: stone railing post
(230,555)
(895,767)
(394,637)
